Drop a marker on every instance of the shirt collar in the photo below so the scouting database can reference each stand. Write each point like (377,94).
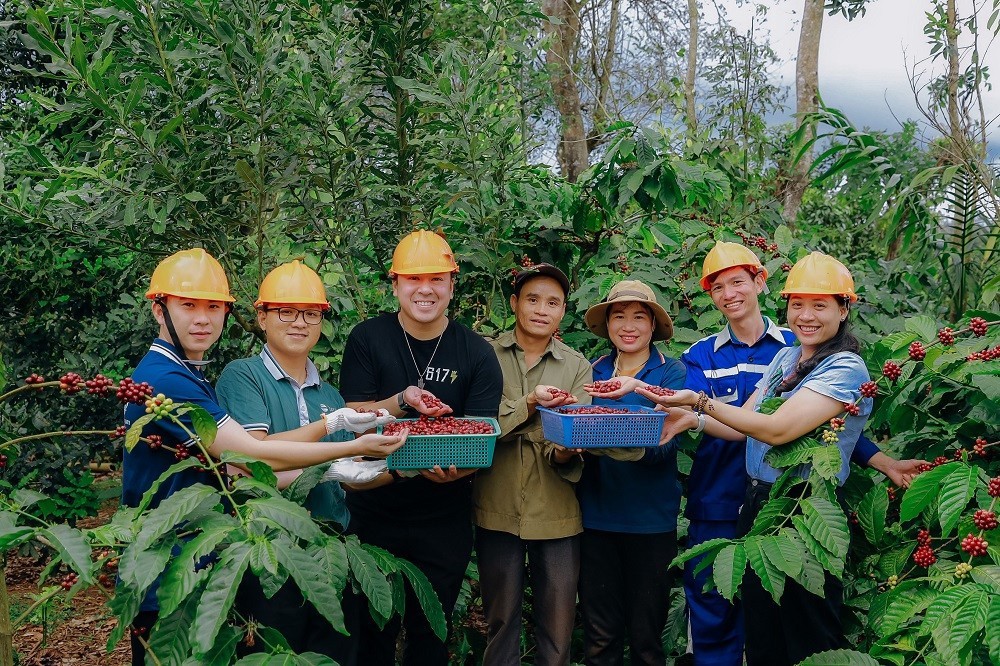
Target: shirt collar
(509,339)
(278,373)
(164,348)
(725,336)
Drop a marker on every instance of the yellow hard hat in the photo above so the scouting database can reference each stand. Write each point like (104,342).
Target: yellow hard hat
(293,282)
(818,273)
(422,252)
(728,255)
(190,274)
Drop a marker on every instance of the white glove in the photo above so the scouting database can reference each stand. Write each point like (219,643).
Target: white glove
(354,471)
(346,418)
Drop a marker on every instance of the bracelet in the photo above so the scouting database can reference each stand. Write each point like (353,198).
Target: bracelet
(701,422)
(703,403)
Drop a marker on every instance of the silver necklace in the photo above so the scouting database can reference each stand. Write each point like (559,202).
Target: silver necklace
(421,375)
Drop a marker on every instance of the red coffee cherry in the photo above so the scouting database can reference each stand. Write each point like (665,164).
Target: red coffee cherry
(34,378)
(985,520)
(917,351)
(924,537)
(659,390)
(442,425)
(430,401)
(869,389)
(940,460)
(120,431)
(975,545)
(70,383)
(924,556)
(154,441)
(852,409)
(946,336)
(994,487)
(99,385)
(559,393)
(891,371)
(978,326)
(129,391)
(606,386)
(593,409)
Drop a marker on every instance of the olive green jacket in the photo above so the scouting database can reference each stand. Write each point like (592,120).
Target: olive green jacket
(525,492)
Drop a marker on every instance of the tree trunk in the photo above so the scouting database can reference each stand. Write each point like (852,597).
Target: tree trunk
(692,67)
(6,631)
(806,102)
(954,120)
(572,151)
(602,74)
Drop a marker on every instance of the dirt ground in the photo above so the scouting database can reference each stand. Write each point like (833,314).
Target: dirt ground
(75,632)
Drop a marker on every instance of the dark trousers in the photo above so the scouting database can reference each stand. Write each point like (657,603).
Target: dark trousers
(803,624)
(141,625)
(552,568)
(298,621)
(625,583)
(441,549)
(716,624)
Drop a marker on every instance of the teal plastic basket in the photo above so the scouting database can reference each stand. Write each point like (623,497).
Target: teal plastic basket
(462,451)
(641,427)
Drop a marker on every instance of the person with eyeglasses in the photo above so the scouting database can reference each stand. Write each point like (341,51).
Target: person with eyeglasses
(279,394)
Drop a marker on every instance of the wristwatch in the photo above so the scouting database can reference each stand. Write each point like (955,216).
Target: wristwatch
(400,402)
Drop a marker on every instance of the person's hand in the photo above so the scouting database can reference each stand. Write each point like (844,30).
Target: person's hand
(628,384)
(900,472)
(425,402)
(678,420)
(552,396)
(681,398)
(379,446)
(439,475)
(562,455)
(348,470)
(346,418)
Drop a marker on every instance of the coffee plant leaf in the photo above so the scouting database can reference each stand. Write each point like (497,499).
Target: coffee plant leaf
(279,512)
(147,497)
(428,599)
(259,470)
(827,524)
(140,568)
(781,552)
(299,489)
(956,490)
(308,574)
(903,604)
(270,583)
(943,606)
(988,575)
(993,629)
(25,498)
(872,511)
(183,573)
(839,658)
(728,569)
(223,652)
(73,549)
(894,562)
(170,638)
(795,453)
(125,606)
(700,549)
(263,558)
(957,628)
(923,491)
(220,592)
(332,556)
(822,555)
(173,510)
(772,513)
(925,327)
(771,578)
(386,561)
(255,488)
(812,576)
(372,581)
(11,534)
(135,430)
(826,461)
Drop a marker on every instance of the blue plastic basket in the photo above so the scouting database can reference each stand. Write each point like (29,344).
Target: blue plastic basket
(641,427)
(462,451)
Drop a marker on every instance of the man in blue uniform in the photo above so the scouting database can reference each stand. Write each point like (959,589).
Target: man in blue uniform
(190,295)
(727,366)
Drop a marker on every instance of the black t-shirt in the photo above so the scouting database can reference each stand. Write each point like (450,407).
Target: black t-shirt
(464,373)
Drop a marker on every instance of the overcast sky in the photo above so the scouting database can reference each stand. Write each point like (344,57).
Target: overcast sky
(864,63)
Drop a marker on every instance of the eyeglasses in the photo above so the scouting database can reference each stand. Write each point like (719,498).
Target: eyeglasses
(289,315)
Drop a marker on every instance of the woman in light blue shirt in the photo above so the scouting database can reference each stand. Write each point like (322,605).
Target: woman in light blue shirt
(817,379)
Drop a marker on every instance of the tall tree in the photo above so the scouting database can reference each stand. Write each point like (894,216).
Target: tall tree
(691,73)
(563,30)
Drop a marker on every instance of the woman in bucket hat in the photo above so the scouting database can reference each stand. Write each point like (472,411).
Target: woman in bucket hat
(629,508)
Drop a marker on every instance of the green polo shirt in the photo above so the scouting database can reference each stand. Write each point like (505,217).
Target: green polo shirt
(258,394)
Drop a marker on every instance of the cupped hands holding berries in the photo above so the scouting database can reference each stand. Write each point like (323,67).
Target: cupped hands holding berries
(550,397)
(425,402)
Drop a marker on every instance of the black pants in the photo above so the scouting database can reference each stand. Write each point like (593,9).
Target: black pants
(552,568)
(441,549)
(625,583)
(298,621)
(803,624)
